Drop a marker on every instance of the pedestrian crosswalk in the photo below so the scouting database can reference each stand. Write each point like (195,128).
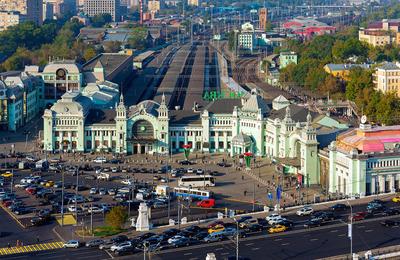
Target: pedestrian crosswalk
(30,248)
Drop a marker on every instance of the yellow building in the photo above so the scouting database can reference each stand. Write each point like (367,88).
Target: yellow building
(375,37)
(387,78)
(8,19)
(342,71)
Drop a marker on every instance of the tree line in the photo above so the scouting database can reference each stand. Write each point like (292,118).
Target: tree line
(343,47)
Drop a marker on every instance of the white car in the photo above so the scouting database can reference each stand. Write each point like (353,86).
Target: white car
(276,220)
(200,171)
(127,182)
(72,208)
(175,238)
(305,211)
(114,169)
(71,244)
(190,170)
(121,246)
(100,160)
(93,191)
(95,210)
(273,216)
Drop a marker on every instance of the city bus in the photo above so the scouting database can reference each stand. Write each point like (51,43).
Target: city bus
(192,193)
(196,181)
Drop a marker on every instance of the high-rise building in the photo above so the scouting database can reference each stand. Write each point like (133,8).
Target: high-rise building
(31,10)
(95,7)
(48,11)
(62,7)
(262,17)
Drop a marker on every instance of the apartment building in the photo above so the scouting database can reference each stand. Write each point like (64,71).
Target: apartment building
(9,18)
(95,7)
(387,78)
(29,10)
(381,33)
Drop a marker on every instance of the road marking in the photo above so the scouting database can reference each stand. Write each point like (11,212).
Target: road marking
(112,257)
(256,248)
(359,227)
(249,244)
(30,248)
(225,253)
(219,249)
(285,244)
(193,258)
(334,231)
(187,254)
(341,235)
(313,239)
(278,239)
(368,230)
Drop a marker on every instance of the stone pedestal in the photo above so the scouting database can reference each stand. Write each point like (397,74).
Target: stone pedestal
(142,223)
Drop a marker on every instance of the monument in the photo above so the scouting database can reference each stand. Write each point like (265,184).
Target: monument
(142,222)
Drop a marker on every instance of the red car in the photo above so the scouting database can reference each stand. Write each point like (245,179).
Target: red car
(207,203)
(358,216)
(215,223)
(31,191)
(7,203)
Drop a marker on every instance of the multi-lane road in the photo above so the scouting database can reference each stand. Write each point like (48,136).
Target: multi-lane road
(300,243)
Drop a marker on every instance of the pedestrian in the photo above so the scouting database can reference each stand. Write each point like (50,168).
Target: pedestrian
(273,176)
(37,239)
(242,177)
(245,192)
(8,245)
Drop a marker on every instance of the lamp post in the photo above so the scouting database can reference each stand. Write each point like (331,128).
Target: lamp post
(237,238)
(351,229)
(62,197)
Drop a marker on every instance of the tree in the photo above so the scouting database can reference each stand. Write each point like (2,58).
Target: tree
(99,20)
(358,80)
(112,46)
(137,39)
(89,53)
(117,217)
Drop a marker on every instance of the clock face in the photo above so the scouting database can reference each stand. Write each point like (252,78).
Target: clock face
(142,128)
(363,119)
(61,73)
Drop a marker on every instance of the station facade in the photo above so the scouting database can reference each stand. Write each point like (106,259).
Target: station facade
(230,126)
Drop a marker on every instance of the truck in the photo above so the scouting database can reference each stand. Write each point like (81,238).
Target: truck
(103,176)
(162,190)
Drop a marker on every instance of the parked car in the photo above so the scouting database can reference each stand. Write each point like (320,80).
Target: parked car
(313,223)
(121,245)
(277,229)
(305,211)
(72,244)
(100,160)
(206,203)
(390,223)
(214,237)
(94,243)
(391,212)
(339,207)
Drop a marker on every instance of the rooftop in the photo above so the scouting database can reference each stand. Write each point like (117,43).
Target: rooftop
(109,61)
(375,139)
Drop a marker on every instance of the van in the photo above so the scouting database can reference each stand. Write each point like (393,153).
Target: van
(206,203)
(162,190)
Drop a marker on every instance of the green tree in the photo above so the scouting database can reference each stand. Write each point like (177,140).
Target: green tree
(99,20)
(117,217)
(137,39)
(358,80)
(89,53)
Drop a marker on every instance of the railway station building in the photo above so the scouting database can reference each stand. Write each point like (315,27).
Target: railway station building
(230,126)
(365,161)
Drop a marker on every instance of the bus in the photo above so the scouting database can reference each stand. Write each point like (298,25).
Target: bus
(192,193)
(196,181)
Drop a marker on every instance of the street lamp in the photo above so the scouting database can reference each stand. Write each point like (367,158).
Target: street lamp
(351,229)
(237,238)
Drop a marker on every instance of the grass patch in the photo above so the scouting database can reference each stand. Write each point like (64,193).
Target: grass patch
(106,231)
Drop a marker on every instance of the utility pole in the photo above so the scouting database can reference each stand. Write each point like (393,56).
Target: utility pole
(76,195)
(62,197)
(254,195)
(91,219)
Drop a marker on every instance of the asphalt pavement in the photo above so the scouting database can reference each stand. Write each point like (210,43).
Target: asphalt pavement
(63,254)
(307,244)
